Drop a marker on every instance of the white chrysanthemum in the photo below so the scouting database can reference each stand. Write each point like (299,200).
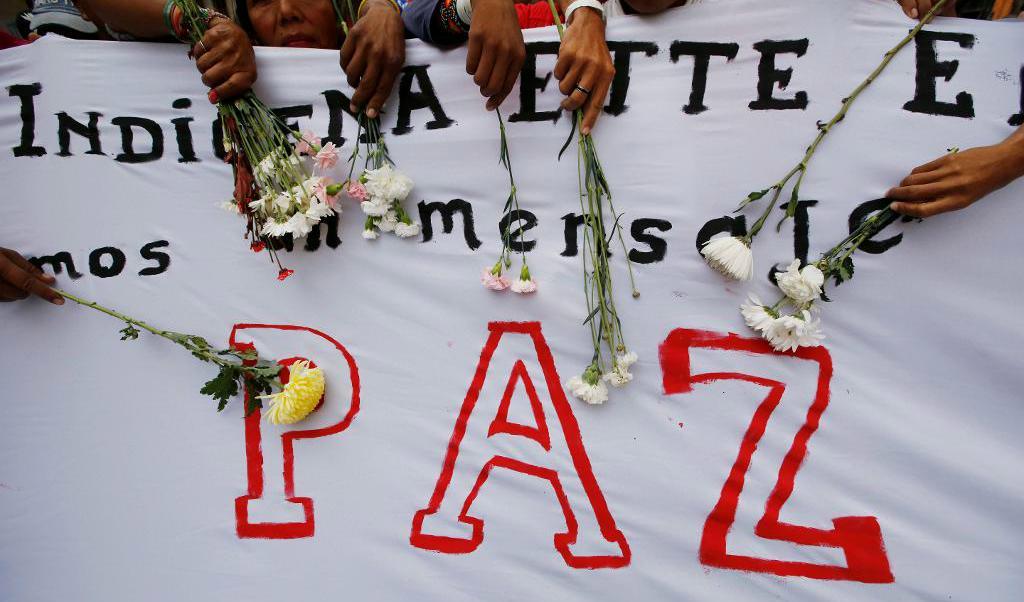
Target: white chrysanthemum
(283,201)
(370,234)
(802,286)
(274,229)
(299,225)
(593,394)
(756,315)
(299,397)
(376,207)
(260,204)
(318,210)
(789,333)
(403,230)
(731,256)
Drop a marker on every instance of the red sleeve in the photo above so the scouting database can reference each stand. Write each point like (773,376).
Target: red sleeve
(9,41)
(534,15)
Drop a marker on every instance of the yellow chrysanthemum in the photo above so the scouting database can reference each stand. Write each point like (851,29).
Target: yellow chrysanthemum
(299,397)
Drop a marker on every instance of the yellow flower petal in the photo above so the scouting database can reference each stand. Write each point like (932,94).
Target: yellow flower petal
(299,397)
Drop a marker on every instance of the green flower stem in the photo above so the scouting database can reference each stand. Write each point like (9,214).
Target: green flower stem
(824,129)
(598,288)
(188,341)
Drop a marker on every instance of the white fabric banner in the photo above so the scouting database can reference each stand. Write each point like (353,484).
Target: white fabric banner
(447,462)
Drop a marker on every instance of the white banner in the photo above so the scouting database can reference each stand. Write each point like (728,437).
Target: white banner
(447,462)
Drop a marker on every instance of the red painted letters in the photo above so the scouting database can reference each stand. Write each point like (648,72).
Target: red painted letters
(859,537)
(303,526)
(587,517)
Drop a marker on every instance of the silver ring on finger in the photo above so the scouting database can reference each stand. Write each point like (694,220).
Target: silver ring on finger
(580,88)
(201,45)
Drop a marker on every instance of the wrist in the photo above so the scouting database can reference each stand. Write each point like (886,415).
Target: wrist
(585,16)
(367,6)
(587,10)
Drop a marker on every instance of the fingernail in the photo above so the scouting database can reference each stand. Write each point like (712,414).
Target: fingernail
(585,130)
(371,113)
(58,301)
(352,108)
(213,97)
(913,13)
(49,279)
(894,206)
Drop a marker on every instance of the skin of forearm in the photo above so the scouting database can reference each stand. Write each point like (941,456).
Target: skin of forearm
(1013,158)
(141,18)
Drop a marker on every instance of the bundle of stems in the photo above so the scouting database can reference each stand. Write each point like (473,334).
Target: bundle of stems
(598,234)
(253,136)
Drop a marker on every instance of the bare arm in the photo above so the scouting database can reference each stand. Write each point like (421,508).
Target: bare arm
(140,18)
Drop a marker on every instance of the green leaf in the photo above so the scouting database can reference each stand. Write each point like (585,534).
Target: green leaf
(222,387)
(845,271)
(129,333)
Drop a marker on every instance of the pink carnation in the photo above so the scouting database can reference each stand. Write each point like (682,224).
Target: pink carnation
(357,191)
(304,145)
(327,157)
(495,282)
(321,192)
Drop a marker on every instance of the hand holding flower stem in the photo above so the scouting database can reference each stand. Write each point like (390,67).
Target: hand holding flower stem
(611,360)
(800,170)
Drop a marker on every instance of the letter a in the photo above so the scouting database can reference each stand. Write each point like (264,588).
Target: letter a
(483,438)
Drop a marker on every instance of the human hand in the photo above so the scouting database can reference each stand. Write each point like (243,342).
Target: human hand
(373,54)
(956,180)
(584,62)
(225,58)
(917,9)
(19,278)
(496,49)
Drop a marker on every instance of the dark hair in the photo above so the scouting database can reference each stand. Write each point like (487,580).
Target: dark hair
(242,16)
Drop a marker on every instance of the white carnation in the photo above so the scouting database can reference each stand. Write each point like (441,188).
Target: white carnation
(593,394)
(403,230)
(802,286)
(375,206)
(370,234)
(388,221)
(387,183)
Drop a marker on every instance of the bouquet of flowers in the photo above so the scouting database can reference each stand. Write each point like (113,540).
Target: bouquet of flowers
(379,188)
(731,255)
(612,359)
(238,369)
(493,277)
(802,287)
(275,189)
